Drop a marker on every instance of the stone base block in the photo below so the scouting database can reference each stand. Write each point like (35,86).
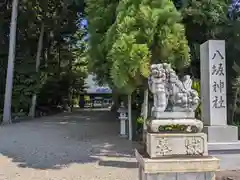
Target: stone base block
(184,168)
(173,115)
(221,133)
(184,125)
(177,176)
(165,145)
(224,146)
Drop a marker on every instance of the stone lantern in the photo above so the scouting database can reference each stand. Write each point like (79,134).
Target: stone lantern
(123,117)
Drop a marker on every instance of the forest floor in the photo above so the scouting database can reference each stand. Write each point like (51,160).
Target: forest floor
(82,145)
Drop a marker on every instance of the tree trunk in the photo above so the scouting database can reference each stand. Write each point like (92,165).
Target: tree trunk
(70,90)
(116,101)
(234,107)
(130,117)
(47,51)
(7,119)
(59,60)
(38,58)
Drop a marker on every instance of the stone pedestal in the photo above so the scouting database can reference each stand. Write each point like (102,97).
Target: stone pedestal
(199,168)
(221,133)
(176,148)
(168,145)
(222,138)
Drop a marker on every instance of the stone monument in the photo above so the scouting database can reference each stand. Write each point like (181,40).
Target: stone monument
(221,136)
(176,147)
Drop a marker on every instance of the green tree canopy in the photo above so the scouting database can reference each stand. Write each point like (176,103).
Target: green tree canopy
(142,32)
(59,58)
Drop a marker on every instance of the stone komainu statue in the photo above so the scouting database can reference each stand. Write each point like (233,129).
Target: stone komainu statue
(171,94)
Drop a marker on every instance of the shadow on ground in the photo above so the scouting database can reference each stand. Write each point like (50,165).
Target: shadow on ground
(119,164)
(63,140)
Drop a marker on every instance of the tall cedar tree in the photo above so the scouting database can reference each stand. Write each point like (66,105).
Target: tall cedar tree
(129,35)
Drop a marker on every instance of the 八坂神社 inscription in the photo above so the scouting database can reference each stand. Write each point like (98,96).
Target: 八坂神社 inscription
(218,82)
(218,70)
(219,54)
(218,102)
(218,86)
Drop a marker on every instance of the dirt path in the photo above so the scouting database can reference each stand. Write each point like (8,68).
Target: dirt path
(78,146)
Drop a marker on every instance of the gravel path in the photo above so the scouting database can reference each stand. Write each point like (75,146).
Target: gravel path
(78,146)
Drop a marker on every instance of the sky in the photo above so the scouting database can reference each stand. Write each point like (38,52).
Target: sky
(82,23)
(234,7)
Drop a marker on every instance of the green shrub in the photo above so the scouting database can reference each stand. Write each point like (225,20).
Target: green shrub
(140,120)
(196,86)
